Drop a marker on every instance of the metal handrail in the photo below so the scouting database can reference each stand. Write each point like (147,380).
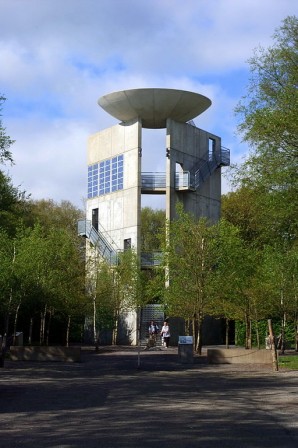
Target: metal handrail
(153,181)
(98,240)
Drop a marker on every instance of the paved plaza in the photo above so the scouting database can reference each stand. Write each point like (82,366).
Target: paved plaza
(115,398)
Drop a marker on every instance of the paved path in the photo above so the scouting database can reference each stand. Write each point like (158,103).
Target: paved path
(107,401)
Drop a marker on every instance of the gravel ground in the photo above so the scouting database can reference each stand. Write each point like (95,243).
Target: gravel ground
(118,398)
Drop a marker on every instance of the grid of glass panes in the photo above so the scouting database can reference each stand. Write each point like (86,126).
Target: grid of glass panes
(117,173)
(105,177)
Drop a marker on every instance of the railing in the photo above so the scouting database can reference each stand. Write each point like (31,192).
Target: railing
(182,180)
(224,156)
(98,240)
(157,181)
(189,180)
(208,164)
(150,259)
(153,181)
(107,251)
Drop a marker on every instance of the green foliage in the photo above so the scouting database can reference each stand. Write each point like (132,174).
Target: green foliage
(262,327)
(268,122)
(5,140)
(269,111)
(13,205)
(189,260)
(41,272)
(152,225)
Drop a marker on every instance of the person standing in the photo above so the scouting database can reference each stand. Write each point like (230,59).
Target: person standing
(153,330)
(165,333)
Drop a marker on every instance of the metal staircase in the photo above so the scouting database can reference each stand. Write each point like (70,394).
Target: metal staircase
(98,240)
(207,165)
(188,180)
(148,313)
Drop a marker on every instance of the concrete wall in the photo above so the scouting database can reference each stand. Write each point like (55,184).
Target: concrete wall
(119,212)
(186,145)
(239,356)
(18,353)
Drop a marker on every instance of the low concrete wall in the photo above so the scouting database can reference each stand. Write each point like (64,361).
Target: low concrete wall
(239,356)
(19,353)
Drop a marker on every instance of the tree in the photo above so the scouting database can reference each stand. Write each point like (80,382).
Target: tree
(152,223)
(5,140)
(235,288)
(50,214)
(269,111)
(278,278)
(189,259)
(65,278)
(268,122)
(13,205)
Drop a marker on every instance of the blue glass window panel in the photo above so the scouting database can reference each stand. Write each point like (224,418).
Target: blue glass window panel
(105,176)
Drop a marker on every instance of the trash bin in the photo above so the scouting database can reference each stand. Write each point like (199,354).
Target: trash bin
(185,349)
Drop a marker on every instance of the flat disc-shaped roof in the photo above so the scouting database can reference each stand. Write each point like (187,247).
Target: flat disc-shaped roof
(154,106)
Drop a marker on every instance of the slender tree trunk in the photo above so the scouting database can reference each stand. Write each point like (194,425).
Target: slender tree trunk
(187,325)
(48,326)
(273,347)
(283,335)
(199,336)
(296,322)
(194,333)
(15,323)
(30,331)
(296,335)
(283,324)
(258,334)
(250,334)
(8,314)
(227,332)
(115,329)
(67,331)
(94,324)
(247,332)
(42,325)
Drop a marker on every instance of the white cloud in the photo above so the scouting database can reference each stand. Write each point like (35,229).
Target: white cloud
(58,57)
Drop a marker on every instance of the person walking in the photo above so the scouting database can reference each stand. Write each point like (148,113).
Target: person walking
(153,331)
(165,333)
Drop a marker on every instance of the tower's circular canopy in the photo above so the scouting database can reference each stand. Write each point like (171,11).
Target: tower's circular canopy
(154,106)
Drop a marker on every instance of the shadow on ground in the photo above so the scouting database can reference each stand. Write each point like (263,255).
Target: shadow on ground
(118,398)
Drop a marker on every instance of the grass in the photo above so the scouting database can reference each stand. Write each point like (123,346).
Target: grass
(289,362)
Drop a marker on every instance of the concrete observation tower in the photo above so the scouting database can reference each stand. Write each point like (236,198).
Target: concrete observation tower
(117,180)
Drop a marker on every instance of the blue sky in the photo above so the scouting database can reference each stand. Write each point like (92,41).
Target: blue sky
(57,57)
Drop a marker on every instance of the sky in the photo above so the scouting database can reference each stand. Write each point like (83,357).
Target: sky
(57,57)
